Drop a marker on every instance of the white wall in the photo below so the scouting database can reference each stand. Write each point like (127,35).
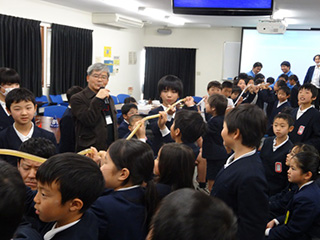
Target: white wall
(209,44)
(121,41)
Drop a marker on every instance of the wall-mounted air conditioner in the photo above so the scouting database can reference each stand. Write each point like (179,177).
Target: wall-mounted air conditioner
(116,20)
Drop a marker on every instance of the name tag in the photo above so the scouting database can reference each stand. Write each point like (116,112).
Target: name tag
(301,130)
(109,120)
(278,167)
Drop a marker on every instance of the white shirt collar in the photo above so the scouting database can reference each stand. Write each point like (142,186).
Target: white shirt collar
(128,188)
(50,234)
(274,147)
(126,121)
(169,117)
(301,112)
(3,105)
(230,159)
(21,136)
(280,103)
(306,184)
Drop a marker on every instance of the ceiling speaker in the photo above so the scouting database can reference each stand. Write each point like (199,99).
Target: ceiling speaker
(164,31)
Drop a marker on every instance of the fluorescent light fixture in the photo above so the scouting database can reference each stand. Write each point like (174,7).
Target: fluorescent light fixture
(283,13)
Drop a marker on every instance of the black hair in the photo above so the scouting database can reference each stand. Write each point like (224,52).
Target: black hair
(19,94)
(270,80)
(73,90)
(286,117)
(294,78)
(219,102)
(40,147)
(257,64)
(308,162)
(191,125)
(133,118)
(236,89)
(170,82)
(286,63)
(281,83)
(258,81)
(287,110)
(314,58)
(129,100)
(127,107)
(176,166)
(285,76)
(285,89)
(310,87)
(77,176)
(303,147)
(242,76)
(215,84)
(187,214)
(9,76)
(13,194)
(259,76)
(137,157)
(226,84)
(251,122)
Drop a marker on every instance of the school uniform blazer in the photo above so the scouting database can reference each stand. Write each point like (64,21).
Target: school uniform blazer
(123,129)
(10,140)
(306,128)
(5,120)
(274,163)
(67,132)
(85,229)
(309,74)
(212,147)
(304,216)
(243,187)
(121,214)
(90,120)
(294,96)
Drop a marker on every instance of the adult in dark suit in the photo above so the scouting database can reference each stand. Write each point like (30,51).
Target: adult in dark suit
(94,111)
(313,76)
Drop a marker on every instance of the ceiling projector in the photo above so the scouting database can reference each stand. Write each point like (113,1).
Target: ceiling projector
(272,26)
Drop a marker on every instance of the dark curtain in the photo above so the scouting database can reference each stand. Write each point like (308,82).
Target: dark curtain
(71,55)
(20,49)
(163,61)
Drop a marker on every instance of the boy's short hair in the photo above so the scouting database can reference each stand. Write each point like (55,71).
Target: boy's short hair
(257,64)
(134,118)
(186,214)
(285,116)
(281,83)
(170,82)
(127,107)
(219,102)
(73,90)
(294,78)
(259,76)
(236,89)
(12,192)
(9,76)
(285,89)
(285,76)
(310,87)
(191,125)
(77,176)
(215,84)
(40,147)
(226,84)
(270,80)
(285,63)
(19,94)
(258,81)
(251,122)
(129,100)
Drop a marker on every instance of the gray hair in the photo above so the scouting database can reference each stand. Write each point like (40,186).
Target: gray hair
(99,67)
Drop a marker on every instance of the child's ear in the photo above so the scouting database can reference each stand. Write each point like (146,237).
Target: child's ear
(125,173)
(76,205)
(236,134)
(308,175)
(177,132)
(291,128)
(314,98)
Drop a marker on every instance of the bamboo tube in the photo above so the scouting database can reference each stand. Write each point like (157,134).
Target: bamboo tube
(15,153)
(85,151)
(151,117)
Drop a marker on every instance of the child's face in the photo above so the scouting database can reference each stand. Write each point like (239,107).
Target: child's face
(110,173)
(132,112)
(7,87)
(242,84)
(28,170)
(292,82)
(305,96)
(234,95)
(295,174)
(48,204)
(209,109)
(281,127)
(282,96)
(131,127)
(22,112)
(172,132)
(251,82)
(214,90)
(227,138)
(290,155)
(226,92)
(169,97)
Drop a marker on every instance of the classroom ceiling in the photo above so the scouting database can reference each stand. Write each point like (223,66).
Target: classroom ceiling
(299,14)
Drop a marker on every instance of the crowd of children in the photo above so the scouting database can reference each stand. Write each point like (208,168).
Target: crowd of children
(253,148)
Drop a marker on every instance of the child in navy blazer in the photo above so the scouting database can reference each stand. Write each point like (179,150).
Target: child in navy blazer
(127,111)
(302,220)
(213,149)
(241,183)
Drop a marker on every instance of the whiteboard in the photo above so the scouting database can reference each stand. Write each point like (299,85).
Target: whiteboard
(231,57)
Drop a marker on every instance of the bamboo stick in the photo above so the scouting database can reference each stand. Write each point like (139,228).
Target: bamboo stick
(15,153)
